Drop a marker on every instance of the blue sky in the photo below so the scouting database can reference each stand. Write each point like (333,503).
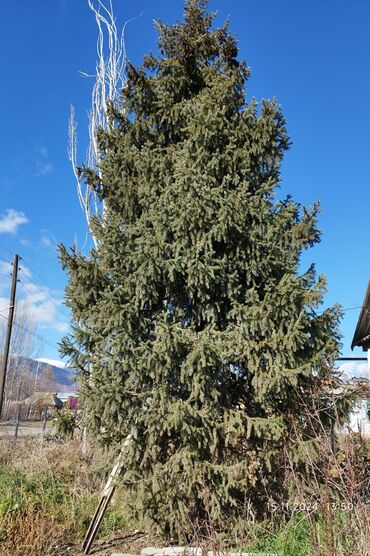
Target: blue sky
(312,56)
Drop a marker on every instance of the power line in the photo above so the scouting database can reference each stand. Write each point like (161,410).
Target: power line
(44,293)
(38,336)
(60,308)
(6,249)
(47,282)
(46,298)
(33,295)
(5,260)
(345,309)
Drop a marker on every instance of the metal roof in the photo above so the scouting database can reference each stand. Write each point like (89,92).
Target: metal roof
(361,336)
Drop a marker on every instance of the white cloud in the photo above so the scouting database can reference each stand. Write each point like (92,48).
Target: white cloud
(354,369)
(4,306)
(45,304)
(11,220)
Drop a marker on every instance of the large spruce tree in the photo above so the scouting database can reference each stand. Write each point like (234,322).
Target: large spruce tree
(193,325)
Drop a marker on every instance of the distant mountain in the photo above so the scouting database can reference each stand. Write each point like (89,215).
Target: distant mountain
(64,376)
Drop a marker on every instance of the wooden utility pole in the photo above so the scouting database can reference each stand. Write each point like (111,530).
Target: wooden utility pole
(4,365)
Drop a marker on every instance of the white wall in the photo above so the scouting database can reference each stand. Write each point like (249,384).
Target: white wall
(359,419)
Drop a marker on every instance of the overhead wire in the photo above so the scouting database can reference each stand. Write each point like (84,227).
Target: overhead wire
(6,249)
(47,282)
(44,293)
(35,334)
(59,308)
(6,260)
(45,298)
(345,309)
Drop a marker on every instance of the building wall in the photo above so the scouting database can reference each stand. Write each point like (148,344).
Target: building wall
(359,419)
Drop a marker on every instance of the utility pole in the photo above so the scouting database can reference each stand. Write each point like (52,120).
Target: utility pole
(4,365)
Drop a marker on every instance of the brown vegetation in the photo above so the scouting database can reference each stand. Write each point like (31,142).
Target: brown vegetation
(48,495)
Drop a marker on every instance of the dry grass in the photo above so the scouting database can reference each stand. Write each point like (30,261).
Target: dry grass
(34,532)
(48,495)
(64,461)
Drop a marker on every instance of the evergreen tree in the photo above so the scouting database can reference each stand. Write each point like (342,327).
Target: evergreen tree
(192,324)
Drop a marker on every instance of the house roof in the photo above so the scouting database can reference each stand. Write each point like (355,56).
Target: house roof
(44,399)
(361,337)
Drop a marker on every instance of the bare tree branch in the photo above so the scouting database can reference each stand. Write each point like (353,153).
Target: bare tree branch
(110,79)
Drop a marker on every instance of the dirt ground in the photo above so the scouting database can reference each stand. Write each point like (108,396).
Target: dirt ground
(26,429)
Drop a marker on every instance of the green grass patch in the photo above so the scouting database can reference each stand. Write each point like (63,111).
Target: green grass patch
(20,494)
(285,539)
(17,491)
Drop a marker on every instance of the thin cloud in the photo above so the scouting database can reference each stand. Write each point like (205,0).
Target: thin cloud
(42,162)
(48,240)
(45,304)
(44,169)
(354,369)
(4,306)
(6,270)
(11,220)
(34,160)
(25,242)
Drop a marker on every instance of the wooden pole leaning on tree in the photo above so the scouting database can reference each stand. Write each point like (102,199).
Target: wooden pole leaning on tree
(4,366)
(105,498)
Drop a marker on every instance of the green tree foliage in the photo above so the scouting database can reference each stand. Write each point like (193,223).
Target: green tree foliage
(65,423)
(193,326)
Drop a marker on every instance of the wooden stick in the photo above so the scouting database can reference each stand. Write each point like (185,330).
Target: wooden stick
(105,498)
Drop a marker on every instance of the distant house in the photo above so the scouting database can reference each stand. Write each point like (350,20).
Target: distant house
(360,418)
(43,400)
(69,399)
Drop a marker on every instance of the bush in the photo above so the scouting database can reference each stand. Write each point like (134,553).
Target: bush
(65,423)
